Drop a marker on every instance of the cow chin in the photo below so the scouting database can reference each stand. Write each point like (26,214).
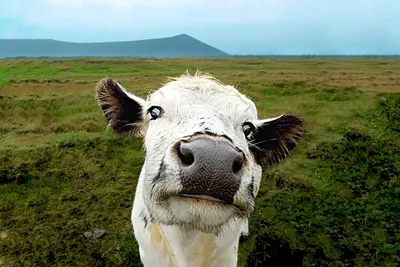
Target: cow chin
(194,214)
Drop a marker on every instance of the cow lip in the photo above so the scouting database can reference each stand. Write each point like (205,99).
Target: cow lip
(203,197)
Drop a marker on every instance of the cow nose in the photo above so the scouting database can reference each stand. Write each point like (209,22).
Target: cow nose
(215,154)
(210,167)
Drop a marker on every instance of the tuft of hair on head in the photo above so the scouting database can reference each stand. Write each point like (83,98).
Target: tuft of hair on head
(197,75)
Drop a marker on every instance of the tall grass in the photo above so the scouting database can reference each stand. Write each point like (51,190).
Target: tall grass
(334,202)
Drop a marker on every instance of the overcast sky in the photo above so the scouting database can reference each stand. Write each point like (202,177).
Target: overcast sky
(234,26)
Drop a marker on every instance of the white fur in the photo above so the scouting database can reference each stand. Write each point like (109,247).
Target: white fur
(176,231)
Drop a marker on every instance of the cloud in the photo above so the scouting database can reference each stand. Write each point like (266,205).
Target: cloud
(127,13)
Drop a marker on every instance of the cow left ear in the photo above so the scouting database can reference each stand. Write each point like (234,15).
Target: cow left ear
(272,140)
(122,110)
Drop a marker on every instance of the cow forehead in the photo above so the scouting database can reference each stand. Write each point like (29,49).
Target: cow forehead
(199,92)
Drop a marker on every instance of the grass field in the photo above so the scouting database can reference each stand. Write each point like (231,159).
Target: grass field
(334,202)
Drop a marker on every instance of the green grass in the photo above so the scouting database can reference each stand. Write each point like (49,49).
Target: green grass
(334,202)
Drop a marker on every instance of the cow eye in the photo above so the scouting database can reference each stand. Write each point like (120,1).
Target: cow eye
(155,112)
(248,128)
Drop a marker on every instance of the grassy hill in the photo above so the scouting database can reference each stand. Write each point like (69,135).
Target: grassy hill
(334,202)
(177,46)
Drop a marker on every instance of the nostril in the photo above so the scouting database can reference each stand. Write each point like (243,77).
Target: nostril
(185,154)
(238,163)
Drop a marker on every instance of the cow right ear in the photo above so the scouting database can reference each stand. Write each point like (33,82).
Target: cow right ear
(273,139)
(122,110)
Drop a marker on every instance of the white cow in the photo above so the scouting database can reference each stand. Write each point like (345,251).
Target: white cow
(205,150)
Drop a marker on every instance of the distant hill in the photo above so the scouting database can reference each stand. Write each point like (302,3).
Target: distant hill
(181,45)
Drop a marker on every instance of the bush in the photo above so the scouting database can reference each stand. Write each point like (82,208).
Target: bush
(391,109)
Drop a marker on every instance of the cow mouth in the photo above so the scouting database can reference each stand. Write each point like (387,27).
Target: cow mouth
(204,197)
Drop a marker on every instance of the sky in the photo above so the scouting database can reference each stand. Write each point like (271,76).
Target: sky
(235,26)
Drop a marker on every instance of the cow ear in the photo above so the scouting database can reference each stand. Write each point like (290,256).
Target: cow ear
(273,139)
(121,109)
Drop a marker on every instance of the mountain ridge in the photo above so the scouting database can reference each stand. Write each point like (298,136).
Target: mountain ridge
(182,45)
